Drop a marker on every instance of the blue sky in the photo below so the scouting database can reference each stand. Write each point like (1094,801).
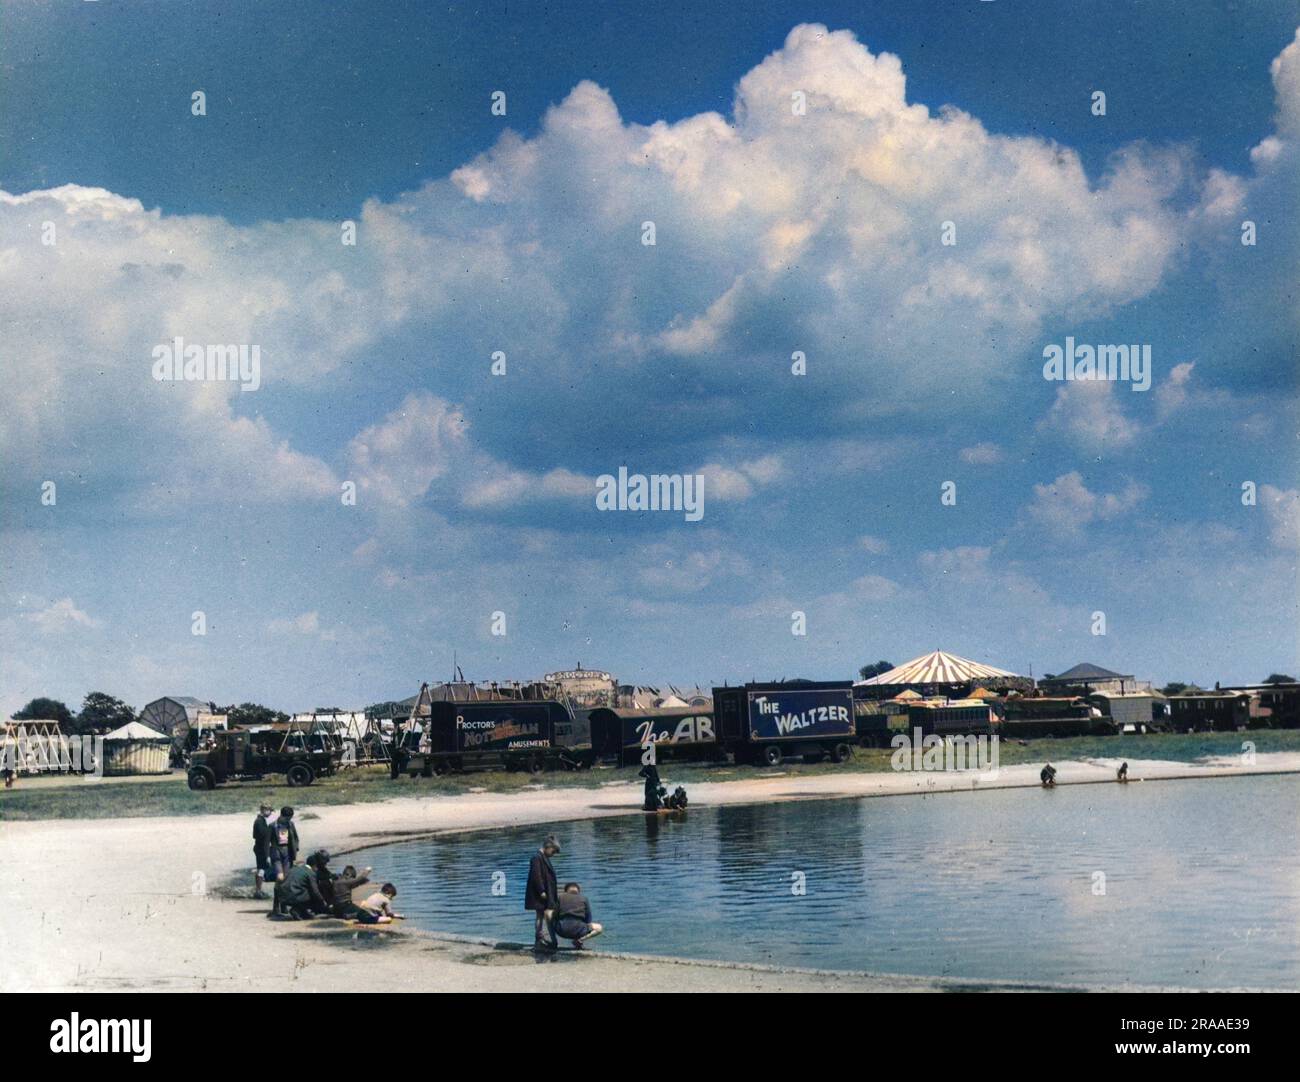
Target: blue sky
(775,232)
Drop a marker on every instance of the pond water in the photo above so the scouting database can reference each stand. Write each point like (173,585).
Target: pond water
(1188,883)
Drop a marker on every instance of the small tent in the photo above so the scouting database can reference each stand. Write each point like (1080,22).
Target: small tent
(135,748)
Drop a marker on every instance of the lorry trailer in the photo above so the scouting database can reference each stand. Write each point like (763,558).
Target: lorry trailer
(510,734)
(621,736)
(766,723)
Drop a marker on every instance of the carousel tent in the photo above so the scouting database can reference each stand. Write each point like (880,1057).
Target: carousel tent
(936,668)
(942,674)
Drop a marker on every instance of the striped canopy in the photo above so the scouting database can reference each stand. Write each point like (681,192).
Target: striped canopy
(937,668)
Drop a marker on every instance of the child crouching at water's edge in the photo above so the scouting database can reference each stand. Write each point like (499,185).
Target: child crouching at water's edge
(573,916)
(378,908)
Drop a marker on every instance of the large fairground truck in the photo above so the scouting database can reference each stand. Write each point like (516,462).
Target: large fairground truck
(769,723)
(494,734)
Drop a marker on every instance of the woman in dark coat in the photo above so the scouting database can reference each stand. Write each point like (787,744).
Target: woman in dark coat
(651,774)
(541,891)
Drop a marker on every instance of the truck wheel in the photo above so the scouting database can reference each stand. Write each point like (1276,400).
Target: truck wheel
(842,753)
(440,768)
(298,775)
(772,755)
(536,765)
(201,779)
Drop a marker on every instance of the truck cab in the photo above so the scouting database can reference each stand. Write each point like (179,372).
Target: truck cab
(237,755)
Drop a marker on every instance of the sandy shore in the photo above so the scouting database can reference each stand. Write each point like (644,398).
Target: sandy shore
(144,903)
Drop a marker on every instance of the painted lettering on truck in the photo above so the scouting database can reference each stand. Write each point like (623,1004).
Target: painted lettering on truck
(791,714)
(694,730)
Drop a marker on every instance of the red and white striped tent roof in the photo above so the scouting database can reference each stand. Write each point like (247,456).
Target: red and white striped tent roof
(937,668)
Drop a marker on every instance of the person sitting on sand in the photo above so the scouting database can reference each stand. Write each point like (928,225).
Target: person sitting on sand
(1048,776)
(341,888)
(573,916)
(378,908)
(1122,773)
(284,844)
(299,895)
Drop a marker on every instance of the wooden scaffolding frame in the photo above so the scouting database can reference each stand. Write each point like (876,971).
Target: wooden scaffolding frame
(34,747)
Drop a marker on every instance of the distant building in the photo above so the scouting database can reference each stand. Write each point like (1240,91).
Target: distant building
(1131,711)
(585,688)
(1087,678)
(1272,705)
(1205,711)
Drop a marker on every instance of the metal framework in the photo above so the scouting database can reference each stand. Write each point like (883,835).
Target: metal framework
(360,739)
(34,747)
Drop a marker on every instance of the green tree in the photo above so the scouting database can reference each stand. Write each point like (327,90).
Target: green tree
(1272,678)
(868,671)
(1174,688)
(100,710)
(45,710)
(250,714)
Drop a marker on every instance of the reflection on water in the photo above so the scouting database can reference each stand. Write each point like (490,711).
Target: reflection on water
(1199,883)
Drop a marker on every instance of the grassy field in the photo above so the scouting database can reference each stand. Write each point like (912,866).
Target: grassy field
(110,800)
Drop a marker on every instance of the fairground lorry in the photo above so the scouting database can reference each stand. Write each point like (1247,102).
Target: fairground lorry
(621,735)
(238,755)
(532,734)
(768,723)
(755,723)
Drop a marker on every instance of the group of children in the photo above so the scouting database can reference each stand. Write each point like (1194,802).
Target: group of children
(557,912)
(310,889)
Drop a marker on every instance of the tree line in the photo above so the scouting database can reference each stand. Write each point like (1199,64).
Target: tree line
(101,712)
